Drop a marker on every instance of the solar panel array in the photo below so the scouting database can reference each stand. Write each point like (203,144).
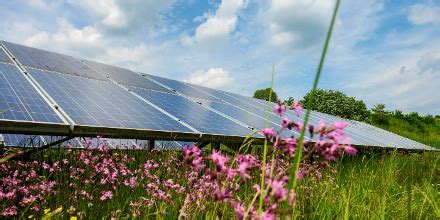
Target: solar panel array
(42,86)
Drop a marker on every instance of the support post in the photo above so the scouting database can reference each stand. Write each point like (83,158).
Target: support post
(201,145)
(151,144)
(215,146)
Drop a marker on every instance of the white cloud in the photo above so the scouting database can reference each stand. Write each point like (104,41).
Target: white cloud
(298,24)
(219,26)
(89,43)
(407,83)
(420,14)
(122,15)
(68,39)
(39,4)
(213,78)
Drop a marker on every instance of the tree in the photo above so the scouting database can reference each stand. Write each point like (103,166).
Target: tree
(338,104)
(263,94)
(289,101)
(379,115)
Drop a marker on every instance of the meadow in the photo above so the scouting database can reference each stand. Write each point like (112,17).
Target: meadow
(283,179)
(137,183)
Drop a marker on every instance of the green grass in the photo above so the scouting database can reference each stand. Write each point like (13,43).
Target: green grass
(383,185)
(428,134)
(399,186)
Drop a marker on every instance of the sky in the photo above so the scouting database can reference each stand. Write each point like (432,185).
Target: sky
(381,51)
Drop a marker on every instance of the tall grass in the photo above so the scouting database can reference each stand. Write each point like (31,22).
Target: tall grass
(378,186)
(385,185)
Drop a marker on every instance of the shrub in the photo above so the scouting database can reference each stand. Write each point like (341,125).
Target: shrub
(379,115)
(338,104)
(263,94)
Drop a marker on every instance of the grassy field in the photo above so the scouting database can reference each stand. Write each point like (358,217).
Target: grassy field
(158,185)
(283,179)
(428,134)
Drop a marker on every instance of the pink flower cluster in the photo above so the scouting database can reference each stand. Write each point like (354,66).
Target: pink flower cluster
(226,174)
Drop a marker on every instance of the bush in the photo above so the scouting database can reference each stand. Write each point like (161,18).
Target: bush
(263,94)
(379,115)
(338,104)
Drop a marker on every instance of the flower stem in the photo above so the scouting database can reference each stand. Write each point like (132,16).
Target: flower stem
(298,153)
(263,168)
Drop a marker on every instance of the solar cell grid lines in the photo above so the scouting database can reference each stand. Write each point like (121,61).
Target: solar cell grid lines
(99,103)
(193,114)
(244,116)
(124,76)
(222,96)
(45,60)
(182,88)
(20,101)
(3,57)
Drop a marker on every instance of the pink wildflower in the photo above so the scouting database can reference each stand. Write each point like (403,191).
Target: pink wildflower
(192,157)
(339,124)
(268,132)
(106,195)
(279,108)
(350,150)
(10,211)
(285,122)
(296,107)
(219,161)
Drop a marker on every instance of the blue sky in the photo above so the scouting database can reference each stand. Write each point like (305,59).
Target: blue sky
(381,51)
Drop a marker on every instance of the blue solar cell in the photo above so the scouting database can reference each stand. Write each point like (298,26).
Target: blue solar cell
(202,119)
(21,140)
(20,101)
(13,139)
(94,102)
(3,57)
(244,116)
(182,88)
(45,60)
(222,96)
(124,76)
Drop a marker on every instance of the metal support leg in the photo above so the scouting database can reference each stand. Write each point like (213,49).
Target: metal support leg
(151,144)
(215,146)
(23,154)
(201,145)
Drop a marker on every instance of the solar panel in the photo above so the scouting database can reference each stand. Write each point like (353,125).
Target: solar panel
(124,76)
(194,114)
(3,57)
(20,101)
(222,96)
(46,60)
(21,140)
(99,103)
(244,116)
(182,88)
(96,97)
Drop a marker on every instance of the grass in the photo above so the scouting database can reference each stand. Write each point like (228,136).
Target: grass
(378,186)
(428,134)
(381,185)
